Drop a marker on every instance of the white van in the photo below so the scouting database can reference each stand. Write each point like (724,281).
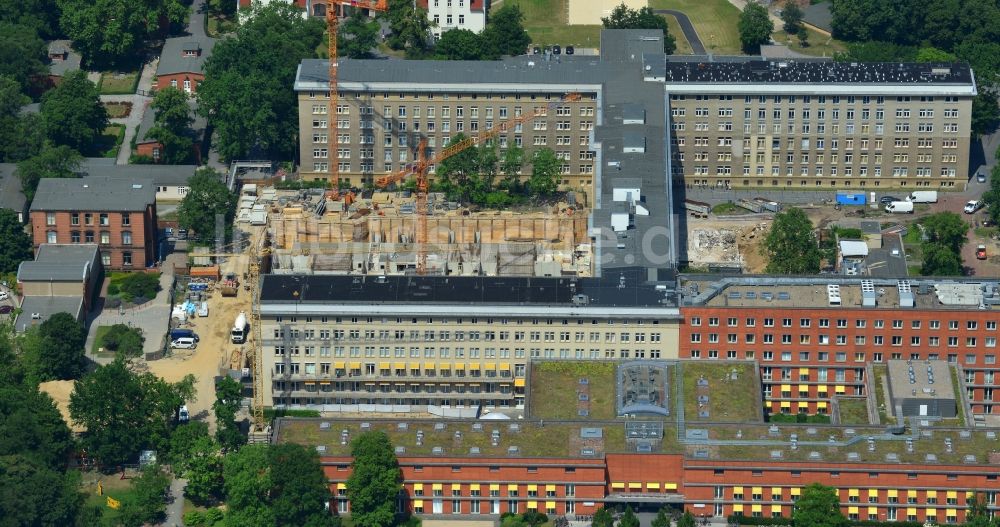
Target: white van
(203,309)
(185,343)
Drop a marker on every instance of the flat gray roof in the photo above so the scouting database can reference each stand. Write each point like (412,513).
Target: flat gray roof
(172,59)
(45,307)
(58,262)
(94,193)
(931,379)
(162,175)
(11,196)
(198,125)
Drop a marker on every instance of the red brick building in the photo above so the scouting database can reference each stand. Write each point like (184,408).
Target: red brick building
(182,63)
(117,214)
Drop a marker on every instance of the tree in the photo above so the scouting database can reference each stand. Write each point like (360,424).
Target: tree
(109,32)
(622,17)
(510,166)
(985,111)
(247,93)
(42,16)
(978,514)
(686,520)
(55,350)
(208,203)
(946,228)
(51,162)
(228,397)
(247,481)
(992,196)
(791,17)
(30,424)
(375,480)
(172,125)
(15,244)
(940,260)
(299,489)
(803,36)
(139,285)
(124,340)
(755,28)
(818,506)
(357,36)
(790,244)
(125,412)
(628,518)
(22,53)
(602,518)
(932,54)
(461,44)
(72,112)
(194,455)
(504,33)
(146,504)
(34,494)
(410,28)
(544,172)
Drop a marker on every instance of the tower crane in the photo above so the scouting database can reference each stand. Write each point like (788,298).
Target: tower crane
(332,8)
(420,166)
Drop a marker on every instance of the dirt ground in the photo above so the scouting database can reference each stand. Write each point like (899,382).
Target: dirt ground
(589,12)
(733,239)
(60,391)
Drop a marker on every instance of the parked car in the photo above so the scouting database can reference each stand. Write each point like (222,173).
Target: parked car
(184,343)
(4,295)
(570,50)
(183,415)
(981,252)
(536,50)
(981,177)
(972,206)
(885,200)
(556,50)
(6,309)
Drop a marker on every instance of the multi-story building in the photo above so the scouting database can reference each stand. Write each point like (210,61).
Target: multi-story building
(455,14)
(736,122)
(117,214)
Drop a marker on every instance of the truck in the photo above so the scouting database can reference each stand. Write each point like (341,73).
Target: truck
(900,207)
(923,196)
(229,285)
(697,208)
(851,198)
(177,333)
(240,329)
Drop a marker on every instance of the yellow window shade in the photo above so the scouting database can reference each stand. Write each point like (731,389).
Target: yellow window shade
(550,504)
(892,493)
(872,493)
(310,382)
(418,503)
(737,508)
(504,366)
(775,490)
(737,490)
(473,367)
(459,366)
(342,486)
(340,365)
(757,490)
(932,494)
(399,366)
(532,488)
(456,486)
(803,371)
(970,495)
(670,486)
(803,387)
(911,494)
(872,510)
(786,404)
(418,486)
(911,511)
(618,485)
(756,507)
(445,367)
(852,510)
(653,486)
(437,486)
(519,383)
(821,388)
(776,508)
(550,488)
(474,486)
(512,487)
(786,387)
(951,513)
(633,485)
(532,504)
(324,382)
(355,365)
(821,404)
(491,366)
(853,493)
(931,512)
(796,491)
(430,366)
(385,366)
(494,486)
(952,494)
(840,388)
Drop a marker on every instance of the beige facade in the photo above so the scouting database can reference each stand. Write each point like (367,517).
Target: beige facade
(859,142)
(378,132)
(446,361)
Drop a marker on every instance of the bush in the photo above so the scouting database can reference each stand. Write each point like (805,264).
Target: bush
(213,517)
(138,300)
(140,284)
(113,289)
(194,519)
(125,340)
(739,519)
(112,303)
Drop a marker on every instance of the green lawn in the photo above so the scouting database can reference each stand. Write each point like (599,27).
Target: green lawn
(561,400)
(729,400)
(217,26)
(853,412)
(729,209)
(820,45)
(118,83)
(117,110)
(546,23)
(716,22)
(114,487)
(99,342)
(108,143)
(683,46)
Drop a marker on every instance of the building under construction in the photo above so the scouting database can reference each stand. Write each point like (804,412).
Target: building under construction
(332,233)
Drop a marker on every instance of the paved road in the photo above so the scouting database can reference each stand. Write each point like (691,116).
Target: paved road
(175,504)
(687,28)
(196,23)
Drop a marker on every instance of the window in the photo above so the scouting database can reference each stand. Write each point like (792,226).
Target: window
(50,237)
(50,219)
(105,237)
(127,259)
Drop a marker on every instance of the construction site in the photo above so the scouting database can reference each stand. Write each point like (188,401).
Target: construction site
(329,232)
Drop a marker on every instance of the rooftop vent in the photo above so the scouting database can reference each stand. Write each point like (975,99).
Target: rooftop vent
(833,294)
(869,296)
(905,293)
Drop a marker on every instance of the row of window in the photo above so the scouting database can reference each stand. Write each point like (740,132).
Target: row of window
(103,237)
(842,340)
(806,113)
(821,99)
(103,218)
(473,353)
(431,112)
(817,171)
(459,335)
(859,323)
(820,143)
(806,128)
